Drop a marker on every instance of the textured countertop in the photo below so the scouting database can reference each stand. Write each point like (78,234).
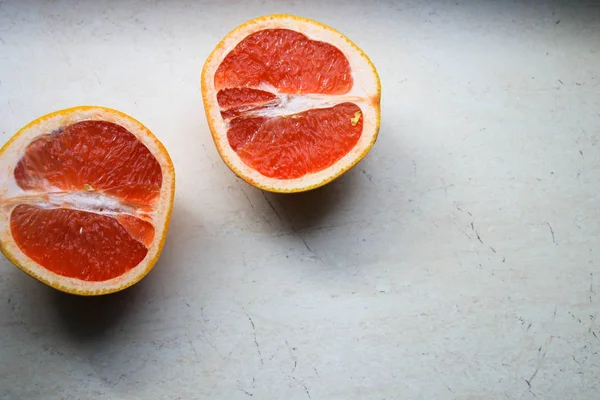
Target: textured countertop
(459,260)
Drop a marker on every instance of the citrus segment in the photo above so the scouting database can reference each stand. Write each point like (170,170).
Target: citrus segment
(293,146)
(138,229)
(85,200)
(75,244)
(291,103)
(286,60)
(91,156)
(235,97)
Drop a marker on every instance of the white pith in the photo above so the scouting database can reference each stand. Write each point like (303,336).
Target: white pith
(288,104)
(12,195)
(364,93)
(91,202)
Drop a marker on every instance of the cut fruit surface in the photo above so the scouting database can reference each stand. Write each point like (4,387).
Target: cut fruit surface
(291,103)
(86,198)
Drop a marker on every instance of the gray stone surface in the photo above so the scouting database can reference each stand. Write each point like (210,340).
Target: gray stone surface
(458,261)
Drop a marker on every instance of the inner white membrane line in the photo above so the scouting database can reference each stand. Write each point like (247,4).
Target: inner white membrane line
(289,105)
(296,104)
(96,203)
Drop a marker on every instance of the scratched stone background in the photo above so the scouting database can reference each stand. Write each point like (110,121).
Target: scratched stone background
(460,260)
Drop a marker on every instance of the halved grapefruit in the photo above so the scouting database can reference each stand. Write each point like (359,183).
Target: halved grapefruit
(291,103)
(85,199)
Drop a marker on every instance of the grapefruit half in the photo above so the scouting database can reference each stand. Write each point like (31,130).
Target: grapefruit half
(85,200)
(291,103)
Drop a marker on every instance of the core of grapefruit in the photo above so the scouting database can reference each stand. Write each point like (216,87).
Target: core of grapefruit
(85,200)
(291,103)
